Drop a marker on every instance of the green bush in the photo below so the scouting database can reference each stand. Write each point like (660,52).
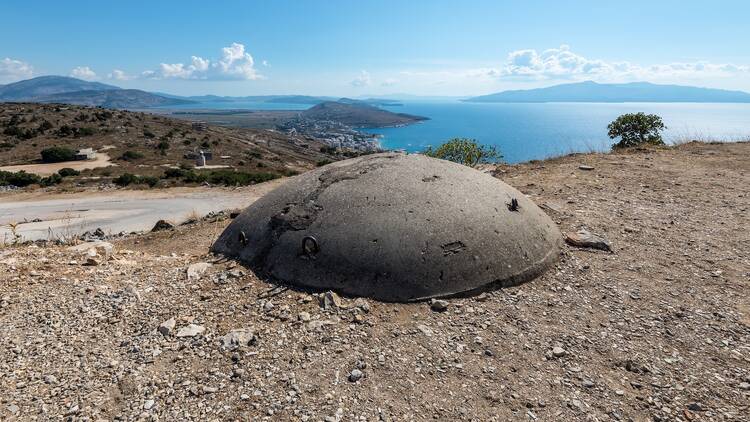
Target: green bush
(125,179)
(321,163)
(163,146)
(465,151)
(19,179)
(84,131)
(174,173)
(219,177)
(58,154)
(131,156)
(50,180)
(19,132)
(636,129)
(151,181)
(237,178)
(67,172)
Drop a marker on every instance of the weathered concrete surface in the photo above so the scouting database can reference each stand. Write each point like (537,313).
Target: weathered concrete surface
(394,227)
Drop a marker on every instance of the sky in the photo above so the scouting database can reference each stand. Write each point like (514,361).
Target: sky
(360,47)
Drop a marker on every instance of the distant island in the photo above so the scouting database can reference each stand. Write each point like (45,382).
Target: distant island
(592,92)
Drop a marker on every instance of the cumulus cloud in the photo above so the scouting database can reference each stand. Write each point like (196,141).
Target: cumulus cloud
(119,75)
(13,70)
(363,79)
(562,63)
(83,72)
(233,64)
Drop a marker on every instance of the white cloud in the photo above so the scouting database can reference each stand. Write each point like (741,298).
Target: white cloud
(83,72)
(265,63)
(119,75)
(234,64)
(562,63)
(363,79)
(14,70)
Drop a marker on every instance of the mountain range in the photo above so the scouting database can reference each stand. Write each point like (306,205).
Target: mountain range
(63,89)
(616,93)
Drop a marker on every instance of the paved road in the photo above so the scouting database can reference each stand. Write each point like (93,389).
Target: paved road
(63,215)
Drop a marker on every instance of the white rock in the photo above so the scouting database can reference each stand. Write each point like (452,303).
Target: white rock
(167,327)
(195,271)
(238,338)
(191,330)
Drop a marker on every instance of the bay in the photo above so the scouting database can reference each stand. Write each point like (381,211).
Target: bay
(527,131)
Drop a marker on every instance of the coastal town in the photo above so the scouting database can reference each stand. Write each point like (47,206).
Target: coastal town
(334,134)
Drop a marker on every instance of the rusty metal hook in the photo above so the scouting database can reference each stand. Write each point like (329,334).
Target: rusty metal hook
(310,246)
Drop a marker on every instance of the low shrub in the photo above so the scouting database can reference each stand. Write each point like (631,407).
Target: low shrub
(50,180)
(219,177)
(131,156)
(19,179)
(465,151)
(67,172)
(125,179)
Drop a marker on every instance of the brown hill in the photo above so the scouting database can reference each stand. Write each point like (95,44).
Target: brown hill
(358,115)
(146,144)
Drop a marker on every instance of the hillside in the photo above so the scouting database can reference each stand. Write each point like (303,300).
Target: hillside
(605,93)
(62,89)
(119,98)
(44,86)
(146,144)
(358,115)
(658,330)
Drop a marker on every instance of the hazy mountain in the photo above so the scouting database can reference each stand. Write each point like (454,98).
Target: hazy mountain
(616,93)
(287,99)
(117,98)
(48,85)
(377,102)
(358,115)
(62,89)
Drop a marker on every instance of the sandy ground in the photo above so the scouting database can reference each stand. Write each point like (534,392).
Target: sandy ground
(101,160)
(658,330)
(45,216)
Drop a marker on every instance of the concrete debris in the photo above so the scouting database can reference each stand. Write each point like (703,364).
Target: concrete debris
(190,330)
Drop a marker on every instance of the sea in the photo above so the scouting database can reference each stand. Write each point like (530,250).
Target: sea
(528,131)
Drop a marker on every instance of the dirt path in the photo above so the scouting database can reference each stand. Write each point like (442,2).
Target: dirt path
(62,215)
(658,330)
(101,160)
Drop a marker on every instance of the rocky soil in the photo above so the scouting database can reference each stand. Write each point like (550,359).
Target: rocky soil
(154,328)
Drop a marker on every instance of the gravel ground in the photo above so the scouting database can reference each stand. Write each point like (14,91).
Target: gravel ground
(657,330)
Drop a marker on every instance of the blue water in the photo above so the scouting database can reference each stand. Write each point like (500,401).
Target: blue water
(524,132)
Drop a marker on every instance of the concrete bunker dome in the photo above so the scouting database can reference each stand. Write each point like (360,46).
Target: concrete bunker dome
(394,227)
